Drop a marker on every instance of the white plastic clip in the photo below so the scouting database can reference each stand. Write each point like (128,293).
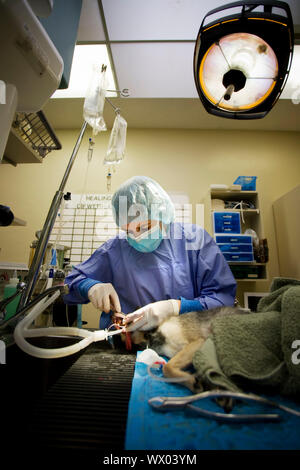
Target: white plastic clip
(100,335)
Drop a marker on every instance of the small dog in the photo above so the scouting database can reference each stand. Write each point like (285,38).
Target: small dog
(178,338)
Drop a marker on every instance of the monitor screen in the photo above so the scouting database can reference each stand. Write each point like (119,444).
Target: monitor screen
(251,299)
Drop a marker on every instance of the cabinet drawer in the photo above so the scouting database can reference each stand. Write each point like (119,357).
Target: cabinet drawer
(239,257)
(233,239)
(226,222)
(235,248)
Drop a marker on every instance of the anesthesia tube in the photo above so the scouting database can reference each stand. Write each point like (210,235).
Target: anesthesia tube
(23,331)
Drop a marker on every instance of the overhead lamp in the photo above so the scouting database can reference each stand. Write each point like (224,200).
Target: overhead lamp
(242,61)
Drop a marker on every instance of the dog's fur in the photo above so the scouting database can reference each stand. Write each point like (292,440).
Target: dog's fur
(178,338)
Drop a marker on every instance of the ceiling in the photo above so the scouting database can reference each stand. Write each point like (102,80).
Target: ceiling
(151,46)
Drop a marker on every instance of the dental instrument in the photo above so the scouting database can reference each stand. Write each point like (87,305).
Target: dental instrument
(185,403)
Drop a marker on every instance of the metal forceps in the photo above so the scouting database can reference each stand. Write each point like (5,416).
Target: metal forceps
(185,403)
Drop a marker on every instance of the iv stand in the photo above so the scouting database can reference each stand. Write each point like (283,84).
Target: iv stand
(33,273)
(48,225)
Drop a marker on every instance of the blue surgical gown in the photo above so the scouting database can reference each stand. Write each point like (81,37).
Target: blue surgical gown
(187,263)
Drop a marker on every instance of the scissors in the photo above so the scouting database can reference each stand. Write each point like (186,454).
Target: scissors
(185,403)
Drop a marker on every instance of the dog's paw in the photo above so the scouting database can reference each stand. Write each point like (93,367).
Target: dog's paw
(197,384)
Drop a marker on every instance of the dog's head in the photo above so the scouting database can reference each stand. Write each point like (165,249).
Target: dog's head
(153,339)
(141,338)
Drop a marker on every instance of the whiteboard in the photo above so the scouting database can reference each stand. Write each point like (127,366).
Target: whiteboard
(87,221)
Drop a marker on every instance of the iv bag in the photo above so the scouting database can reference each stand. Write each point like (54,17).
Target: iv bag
(117,141)
(95,99)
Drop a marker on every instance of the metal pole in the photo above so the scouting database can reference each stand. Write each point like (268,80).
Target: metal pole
(73,156)
(45,234)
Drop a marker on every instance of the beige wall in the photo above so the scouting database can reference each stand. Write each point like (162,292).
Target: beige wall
(181,160)
(287,227)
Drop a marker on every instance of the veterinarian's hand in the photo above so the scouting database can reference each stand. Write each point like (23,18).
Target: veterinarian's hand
(151,315)
(104,297)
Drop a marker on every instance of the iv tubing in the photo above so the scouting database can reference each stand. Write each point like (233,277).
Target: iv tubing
(23,331)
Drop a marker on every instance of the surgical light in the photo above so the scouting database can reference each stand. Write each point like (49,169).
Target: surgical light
(242,60)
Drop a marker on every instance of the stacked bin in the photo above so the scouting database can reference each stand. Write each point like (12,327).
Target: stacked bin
(227,231)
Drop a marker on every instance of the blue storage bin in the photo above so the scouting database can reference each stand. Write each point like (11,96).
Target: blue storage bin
(226,222)
(248,183)
(238,257)
(233,239)
(235,247)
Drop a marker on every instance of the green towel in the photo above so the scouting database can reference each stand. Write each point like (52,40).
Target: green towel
(255,349)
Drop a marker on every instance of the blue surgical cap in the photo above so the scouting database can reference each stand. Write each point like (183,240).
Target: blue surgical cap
(141,198)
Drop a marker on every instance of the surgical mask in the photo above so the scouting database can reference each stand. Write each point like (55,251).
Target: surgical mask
(147,241)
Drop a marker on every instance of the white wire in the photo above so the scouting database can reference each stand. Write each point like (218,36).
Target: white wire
(241,209)
(60,226)
(85,179)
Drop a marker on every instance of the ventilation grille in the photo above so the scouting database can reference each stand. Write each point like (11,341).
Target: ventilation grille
(86,410)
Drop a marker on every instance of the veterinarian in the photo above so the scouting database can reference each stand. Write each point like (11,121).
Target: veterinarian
(154,268)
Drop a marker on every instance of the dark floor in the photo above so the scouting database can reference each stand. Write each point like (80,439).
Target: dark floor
(72,406)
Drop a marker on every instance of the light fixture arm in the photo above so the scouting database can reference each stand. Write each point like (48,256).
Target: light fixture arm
(268,5)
